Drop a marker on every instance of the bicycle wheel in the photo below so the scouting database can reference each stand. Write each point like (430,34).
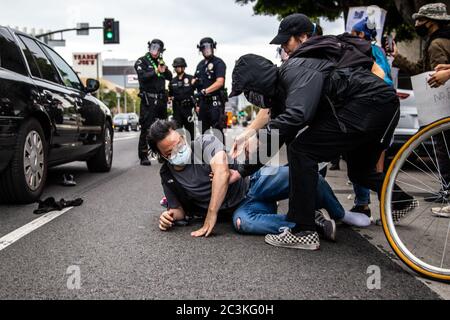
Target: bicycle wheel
(415,209)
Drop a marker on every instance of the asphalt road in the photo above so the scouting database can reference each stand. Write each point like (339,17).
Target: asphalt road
(114,242)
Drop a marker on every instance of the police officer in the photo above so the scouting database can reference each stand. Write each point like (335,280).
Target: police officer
(211,87)
(181,91)
(153,74)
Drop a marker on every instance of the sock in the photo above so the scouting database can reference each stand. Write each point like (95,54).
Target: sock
(356,219)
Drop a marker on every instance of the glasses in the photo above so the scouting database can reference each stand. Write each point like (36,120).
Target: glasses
(176,149)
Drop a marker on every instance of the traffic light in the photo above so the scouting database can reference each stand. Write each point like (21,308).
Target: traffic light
(111,34)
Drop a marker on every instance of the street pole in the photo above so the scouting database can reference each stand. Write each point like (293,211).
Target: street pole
(118,102)
(125,92)
(98,75)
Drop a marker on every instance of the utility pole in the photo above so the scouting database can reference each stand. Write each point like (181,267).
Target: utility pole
(125,92)
(118,102)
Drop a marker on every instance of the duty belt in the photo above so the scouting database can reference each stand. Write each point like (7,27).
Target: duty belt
(213,98)
(184,102)
(158,96)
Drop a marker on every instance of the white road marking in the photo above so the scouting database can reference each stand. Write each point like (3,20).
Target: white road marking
(124,138)
(18,234)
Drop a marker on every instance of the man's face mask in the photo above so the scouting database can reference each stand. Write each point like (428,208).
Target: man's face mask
(181,155)
(422,30)
(155,50)
(255,98)
(207,49)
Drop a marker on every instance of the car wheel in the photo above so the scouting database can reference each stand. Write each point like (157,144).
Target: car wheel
(102,160)
(24,179)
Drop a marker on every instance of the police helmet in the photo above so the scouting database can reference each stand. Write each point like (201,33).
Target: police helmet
(158,42)
(179,62)
(207,40)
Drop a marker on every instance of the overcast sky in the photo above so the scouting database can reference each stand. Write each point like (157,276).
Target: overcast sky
(180,24)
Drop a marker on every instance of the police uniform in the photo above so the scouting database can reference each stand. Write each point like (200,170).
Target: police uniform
(182,91)
(212,106)
(153,95)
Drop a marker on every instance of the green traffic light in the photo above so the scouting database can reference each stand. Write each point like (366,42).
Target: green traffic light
(109,35)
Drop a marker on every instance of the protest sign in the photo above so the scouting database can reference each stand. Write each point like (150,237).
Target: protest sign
(432,103)
(376,15)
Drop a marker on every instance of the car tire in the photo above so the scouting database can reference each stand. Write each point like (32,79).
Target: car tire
(102,160)
(23,183)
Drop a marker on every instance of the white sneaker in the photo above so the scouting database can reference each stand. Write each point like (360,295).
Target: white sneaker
(441,212)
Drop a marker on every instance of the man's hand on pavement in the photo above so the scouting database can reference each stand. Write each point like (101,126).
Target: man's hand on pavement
(166,221)
(208,227)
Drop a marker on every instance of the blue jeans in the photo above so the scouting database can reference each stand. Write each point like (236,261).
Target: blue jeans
(362,195)
(258,211)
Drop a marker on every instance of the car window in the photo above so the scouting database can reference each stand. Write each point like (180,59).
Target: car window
(69,77)
(10,56)
(42,67)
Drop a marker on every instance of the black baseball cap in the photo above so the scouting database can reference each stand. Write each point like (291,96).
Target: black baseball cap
(292,25)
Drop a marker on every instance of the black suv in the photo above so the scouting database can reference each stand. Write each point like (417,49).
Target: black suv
(47,118)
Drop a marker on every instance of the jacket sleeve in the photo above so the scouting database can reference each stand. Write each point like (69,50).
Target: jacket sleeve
(168,75)
(409,67)
(144,72)
(438,53)
(170,87)
(303,94)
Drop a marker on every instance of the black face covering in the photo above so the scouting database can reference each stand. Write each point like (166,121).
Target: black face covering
(422,30)
(255,98)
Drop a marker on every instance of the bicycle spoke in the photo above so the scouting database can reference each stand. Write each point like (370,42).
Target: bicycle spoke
(443,182)
(416,180)
(423,234)
(428,191)
(420,169)
(431,158)
(420,214)
(420,158)
(448,152)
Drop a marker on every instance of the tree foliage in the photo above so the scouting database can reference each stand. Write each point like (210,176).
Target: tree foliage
(399,17)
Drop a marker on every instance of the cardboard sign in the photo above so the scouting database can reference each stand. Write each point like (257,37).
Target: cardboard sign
(375,14)
(432,104)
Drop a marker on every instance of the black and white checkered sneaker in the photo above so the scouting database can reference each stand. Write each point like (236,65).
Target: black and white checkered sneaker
(400,210)
(304,240)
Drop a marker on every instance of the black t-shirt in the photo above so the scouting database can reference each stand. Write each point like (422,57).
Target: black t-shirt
(182,89)
(196,181)
(208,70)
(150,80)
